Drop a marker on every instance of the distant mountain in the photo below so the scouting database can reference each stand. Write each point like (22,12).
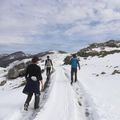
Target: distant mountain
(41,54)
(12,56)
(3,55)
(6,59)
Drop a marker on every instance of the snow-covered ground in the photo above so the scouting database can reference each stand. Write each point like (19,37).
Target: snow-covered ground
(101,87)
(62,103)
(96,95)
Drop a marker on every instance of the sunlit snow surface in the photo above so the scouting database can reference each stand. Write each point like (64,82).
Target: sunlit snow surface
(98,93)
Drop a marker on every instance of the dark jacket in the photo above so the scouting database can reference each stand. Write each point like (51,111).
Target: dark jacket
(32,86)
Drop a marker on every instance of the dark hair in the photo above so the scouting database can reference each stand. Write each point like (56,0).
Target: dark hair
(35,59)
(48,56)
(74,55)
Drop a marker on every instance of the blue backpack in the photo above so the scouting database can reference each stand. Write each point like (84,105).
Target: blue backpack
(74,62)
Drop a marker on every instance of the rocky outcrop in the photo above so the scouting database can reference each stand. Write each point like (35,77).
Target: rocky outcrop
(89,51)
(116,72)
(92,51)
(17,70)
(13,73)
(110,43)
(67,60)
(62,52)
(2,82)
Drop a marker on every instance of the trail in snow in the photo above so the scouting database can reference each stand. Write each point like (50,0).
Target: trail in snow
(62,103)
(83,98)
(20,114)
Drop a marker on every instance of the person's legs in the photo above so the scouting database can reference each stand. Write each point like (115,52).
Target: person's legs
(47,70)
(75,75)
(28,101)
(71,75)
(37,99)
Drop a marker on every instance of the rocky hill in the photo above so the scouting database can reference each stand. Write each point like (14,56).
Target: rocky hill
(6,59)
(98,49)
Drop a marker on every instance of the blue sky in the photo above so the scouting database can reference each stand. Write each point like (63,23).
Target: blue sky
(38,25)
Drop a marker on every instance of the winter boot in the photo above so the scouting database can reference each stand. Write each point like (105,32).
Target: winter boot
(26,107)
(76,80)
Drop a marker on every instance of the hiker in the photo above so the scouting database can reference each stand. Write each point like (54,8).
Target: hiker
(74,64)
(34,78)
(48,66)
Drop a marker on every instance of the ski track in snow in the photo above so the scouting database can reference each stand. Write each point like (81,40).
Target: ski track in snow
(63,103)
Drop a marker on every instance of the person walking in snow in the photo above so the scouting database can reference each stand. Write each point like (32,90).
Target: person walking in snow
(48,66)
(74,62)
(34,78)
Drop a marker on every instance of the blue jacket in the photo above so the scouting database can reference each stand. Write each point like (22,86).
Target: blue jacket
(74,63)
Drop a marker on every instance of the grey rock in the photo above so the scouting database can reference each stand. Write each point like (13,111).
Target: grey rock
(13,73)
(116,72)
(3,83)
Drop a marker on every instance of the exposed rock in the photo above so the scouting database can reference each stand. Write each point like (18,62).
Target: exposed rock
(89,51)
(18,70)
(80,104)
(87,114)
(116,72)
(13,73)
(103,73)
(27,63)
(116,67)
(97,75)
(3,83)
(21,65)
(62,52)
(67,60)
(42,61)
(22,72)
(85,58)
(112,43)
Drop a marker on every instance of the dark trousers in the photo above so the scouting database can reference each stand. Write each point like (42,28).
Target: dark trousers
(48,70)
(37,99)
(73,72)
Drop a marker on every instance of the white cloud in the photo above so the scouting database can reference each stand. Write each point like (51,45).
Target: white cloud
(21,19)
(11,40)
